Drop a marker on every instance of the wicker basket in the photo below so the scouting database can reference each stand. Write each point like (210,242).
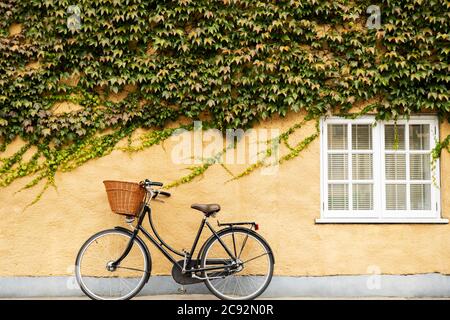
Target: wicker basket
(124,197)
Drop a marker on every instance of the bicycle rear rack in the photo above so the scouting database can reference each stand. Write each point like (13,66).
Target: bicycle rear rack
(231,224)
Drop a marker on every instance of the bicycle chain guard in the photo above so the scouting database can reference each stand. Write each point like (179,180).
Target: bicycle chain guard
(185,278)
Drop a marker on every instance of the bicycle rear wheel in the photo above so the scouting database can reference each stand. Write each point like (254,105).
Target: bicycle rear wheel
(249,276)
(99,279)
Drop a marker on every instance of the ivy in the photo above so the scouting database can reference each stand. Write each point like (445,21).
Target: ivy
(148,64)
(201,169)
(272,145)
(153,138)
(442,145)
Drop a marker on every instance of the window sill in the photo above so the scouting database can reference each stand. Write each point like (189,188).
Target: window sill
(381,221)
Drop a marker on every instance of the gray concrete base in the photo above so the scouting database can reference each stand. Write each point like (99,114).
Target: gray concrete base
(414,286)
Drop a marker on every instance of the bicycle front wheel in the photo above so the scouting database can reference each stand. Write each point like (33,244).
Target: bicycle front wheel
(249,275)
(96,273)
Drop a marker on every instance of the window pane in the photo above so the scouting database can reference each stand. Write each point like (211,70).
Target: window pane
(337,167)
(362,197)
(361,137)
(420,197)
(338,197)
(337,137)
(420,166)
(362,166)
(395,167)
(419,137)
(390,135)
(396,197)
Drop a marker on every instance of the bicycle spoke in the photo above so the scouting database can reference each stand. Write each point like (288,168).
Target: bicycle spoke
(127,268)
(245,280)
(238,284)
(243,245)
(125,283)
(261,255)
(122,283)
(253,282)
(234,245)
(226,285)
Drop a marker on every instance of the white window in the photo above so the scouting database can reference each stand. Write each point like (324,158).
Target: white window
(379,171)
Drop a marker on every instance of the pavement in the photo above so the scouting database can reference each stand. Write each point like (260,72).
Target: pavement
(211,297)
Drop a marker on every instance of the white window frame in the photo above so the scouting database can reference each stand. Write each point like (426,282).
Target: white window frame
(379,214)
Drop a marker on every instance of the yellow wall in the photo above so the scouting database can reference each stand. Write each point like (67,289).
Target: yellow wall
(44,239)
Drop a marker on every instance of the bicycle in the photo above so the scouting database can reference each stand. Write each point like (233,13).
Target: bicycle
(235,263)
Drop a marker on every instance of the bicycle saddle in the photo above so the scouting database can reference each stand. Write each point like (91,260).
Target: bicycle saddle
(207,209)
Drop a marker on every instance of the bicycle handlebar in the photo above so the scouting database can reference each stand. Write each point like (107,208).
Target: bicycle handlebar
(147,183)
(164,193)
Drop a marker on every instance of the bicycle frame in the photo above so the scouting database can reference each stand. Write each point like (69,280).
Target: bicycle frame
(162,245)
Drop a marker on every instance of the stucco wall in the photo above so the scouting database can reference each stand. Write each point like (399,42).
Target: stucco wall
(44,239)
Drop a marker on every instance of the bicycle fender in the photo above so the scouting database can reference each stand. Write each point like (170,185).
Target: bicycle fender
(221,231)
(147,252)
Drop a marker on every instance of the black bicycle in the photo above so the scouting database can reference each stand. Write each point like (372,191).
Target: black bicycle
(234,263)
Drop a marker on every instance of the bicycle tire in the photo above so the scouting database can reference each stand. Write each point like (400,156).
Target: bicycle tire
(137,242)
(256,236)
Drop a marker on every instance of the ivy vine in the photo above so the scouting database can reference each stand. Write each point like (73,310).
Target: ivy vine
(232,62)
